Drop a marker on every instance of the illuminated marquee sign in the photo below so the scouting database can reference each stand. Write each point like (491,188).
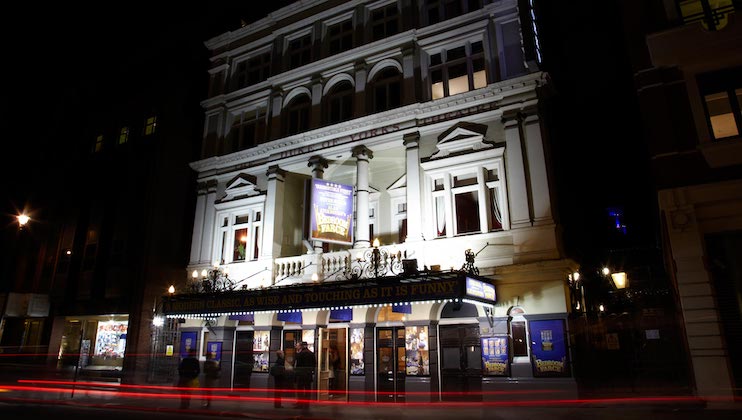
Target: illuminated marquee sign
(331,212)
(479,289)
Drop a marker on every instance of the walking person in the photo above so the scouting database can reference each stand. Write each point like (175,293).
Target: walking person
(278,372)
(212,372)
(304,371)
(188,371)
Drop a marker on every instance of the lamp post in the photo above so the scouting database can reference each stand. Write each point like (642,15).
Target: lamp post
(23,220)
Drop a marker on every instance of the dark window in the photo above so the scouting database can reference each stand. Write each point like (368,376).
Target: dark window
(467,212)
(384,22)
(240,76)
(440,10)
(402,231)
(298,115)
(340,37)
(339,103)
(387,90)
(300,51)
(247,131)
(258,68)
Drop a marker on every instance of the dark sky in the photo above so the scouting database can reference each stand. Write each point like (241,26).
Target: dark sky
(60,55)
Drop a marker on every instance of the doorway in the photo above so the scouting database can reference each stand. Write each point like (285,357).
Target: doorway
(390,371)
(461,363)
(244,360)
(333,364)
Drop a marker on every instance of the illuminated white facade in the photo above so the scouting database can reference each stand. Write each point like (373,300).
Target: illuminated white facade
(433,119)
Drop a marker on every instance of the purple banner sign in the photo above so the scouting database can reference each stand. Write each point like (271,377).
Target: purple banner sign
(331,212)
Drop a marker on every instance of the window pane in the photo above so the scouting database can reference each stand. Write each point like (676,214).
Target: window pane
(467,212)
(240,241)
(256,249)
(402,229)
(440,216)
(494,206)
(458,85)
(238,220)
(720,113)
(480,79)
(519,339)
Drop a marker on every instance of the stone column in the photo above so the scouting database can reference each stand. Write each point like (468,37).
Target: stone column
(198,224)
(539,181)
(414,220)
(318,165)
(362,155)
(207,237)
(518,195)
(273,221)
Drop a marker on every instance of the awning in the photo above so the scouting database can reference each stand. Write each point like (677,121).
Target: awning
(400,290)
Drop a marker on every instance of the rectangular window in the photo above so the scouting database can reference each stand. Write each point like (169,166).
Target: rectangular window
(258,68)
(300,51)
(721,114)
(721,92)
(340,37)
(239,77)
(98,145)
(440,215)
(150,126)
(457,70)
(238,239)
(247,131)
(520,344)
(124,135)
(240,242)
(467,212)
(384,22)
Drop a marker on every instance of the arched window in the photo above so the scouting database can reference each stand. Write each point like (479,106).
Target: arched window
(386,90)
(339,103)
(297,115)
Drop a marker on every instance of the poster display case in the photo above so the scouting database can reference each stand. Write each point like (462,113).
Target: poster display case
(496,356)
(110,339)
(548,348)
(417,353)
(356,352)
(260,347)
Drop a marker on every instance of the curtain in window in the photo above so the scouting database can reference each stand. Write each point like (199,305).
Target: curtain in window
(495,193)
(440,215)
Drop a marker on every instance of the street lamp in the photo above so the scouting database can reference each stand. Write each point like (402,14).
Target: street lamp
(23,220)
(620,280)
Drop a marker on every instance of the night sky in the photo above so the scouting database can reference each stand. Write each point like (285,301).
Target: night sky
(65,59)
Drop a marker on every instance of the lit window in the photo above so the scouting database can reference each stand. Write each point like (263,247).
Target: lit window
(457,70)
(124,135)
(98,145)
(721,92)
(721,114)
(238,237)
(150,126)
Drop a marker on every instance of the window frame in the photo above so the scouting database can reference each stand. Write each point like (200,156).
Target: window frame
(446,64)
(384,79)
(342,96)
(255,117)
(224,234)
(300,106)
(290,53)
(150,126)
(383,22)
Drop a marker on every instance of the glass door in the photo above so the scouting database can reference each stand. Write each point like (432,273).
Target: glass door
(461,363)
(244,361)
(390,371)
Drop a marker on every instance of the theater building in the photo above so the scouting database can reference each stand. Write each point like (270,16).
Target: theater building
(375,179)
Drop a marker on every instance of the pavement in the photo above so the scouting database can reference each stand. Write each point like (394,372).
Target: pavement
(45,389)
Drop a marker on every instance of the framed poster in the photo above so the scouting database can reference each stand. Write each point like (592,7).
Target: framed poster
(548,348)
(331,212)
(356,352)
(215,349)
(187,342)
(496,356)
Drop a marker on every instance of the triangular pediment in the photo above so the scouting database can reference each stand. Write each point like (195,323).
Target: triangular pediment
(463,137)
(241,186)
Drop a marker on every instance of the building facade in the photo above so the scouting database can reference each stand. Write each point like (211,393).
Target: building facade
(690,101)
(375,180)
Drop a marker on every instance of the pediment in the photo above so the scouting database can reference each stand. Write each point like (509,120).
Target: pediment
(241,186)
(463,137)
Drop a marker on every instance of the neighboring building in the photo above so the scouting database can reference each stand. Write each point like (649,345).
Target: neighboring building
(419,124)
(690,99)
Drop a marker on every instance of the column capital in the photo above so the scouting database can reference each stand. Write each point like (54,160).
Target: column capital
(362,152)
(274,172)
(318,162)
(411,140)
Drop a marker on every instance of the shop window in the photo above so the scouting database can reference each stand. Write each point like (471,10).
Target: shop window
(386,89)
(297,115)
(384,22)
(339,103)
(457,70)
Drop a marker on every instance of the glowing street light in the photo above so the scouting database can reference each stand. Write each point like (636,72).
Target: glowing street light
(620,280)
(22,220)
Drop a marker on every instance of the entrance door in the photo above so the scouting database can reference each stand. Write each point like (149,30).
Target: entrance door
(243,359)
(390,371)
(461,363)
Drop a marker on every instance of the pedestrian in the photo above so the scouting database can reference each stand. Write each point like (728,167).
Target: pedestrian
(278,372)
(188,371)
(212,372)
(304,370)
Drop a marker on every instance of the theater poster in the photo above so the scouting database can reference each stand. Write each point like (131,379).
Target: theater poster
(187,342)
(495,356)
(331,213)
(548,348)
